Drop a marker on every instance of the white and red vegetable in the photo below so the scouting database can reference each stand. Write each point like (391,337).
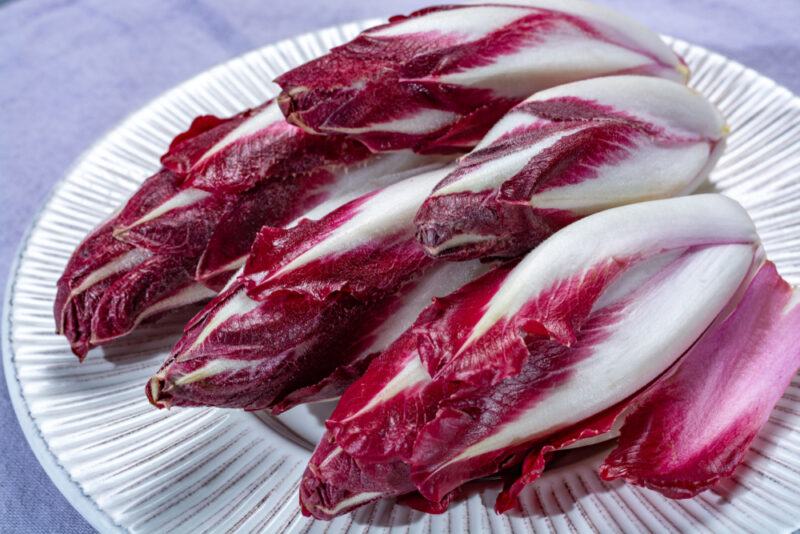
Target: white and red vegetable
(438,79)
(190,226)
(565,153)
(529,359)
(308,312)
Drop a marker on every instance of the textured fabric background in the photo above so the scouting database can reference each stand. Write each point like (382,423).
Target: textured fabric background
(71,69)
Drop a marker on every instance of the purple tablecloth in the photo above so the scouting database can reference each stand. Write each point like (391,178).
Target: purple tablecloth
(70,70)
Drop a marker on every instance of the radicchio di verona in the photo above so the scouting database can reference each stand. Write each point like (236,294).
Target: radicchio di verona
(190,226)
(315,303)
(533,358)
(565,153)
(438,79)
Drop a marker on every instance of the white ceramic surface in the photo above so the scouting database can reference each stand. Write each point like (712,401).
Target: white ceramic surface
(129,467)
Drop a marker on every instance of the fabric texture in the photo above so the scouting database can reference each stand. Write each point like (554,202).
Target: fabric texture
(71,69)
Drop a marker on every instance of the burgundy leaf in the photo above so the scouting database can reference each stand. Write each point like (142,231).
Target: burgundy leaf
(95,265)
(334,483)
(695,426)
(159,284)
(438,79)
(568,152)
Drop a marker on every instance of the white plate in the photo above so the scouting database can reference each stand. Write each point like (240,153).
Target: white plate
(126,466)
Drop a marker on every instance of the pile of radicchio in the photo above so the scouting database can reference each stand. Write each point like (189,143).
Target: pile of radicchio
(474,226)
